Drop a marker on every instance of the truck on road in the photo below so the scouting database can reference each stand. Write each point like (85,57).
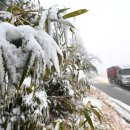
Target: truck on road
(119,75)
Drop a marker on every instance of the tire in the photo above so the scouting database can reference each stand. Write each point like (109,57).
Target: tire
(120,84)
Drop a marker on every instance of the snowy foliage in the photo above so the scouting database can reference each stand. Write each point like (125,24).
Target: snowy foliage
(39,90)
(25,49)
(82,78)
(35,45)
(5,15)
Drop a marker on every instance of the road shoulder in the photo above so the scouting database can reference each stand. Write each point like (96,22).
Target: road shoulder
(115,113)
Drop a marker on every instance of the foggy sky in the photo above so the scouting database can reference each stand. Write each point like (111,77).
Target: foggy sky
(105,29)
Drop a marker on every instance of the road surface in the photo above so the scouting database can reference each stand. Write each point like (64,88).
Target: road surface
(114,91)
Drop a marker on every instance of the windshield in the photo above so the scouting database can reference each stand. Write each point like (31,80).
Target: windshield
(125,72)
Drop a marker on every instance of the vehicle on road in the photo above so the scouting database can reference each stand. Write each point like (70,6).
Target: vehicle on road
(119,75)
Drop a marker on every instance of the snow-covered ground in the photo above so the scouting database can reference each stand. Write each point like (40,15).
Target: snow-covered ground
(98,98)
(100,79)
(122,108)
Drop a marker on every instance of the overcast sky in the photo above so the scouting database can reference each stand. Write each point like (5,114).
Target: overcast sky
(105,29)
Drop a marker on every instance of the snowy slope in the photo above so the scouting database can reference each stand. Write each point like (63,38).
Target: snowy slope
(120,107)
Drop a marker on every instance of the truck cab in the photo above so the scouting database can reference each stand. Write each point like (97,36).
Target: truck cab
(123,76)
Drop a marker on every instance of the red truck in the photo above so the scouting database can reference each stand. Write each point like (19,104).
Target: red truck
(112,74)
(119,75)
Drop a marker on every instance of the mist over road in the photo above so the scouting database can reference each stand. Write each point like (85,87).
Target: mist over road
(112,90)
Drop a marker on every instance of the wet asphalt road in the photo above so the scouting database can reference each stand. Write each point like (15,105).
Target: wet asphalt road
(114,91)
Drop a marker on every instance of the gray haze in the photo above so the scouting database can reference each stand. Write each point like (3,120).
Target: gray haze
(105,29)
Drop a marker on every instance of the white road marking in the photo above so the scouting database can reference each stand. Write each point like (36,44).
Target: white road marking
(118,88)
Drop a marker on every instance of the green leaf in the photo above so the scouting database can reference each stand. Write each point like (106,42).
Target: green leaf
(62,126)
(72,30)
(60,58)
(83,123)
(16,9)
(16,86)
(26,21)
(75,13)
(96,113)
(88,118)
(88,86)
(47,73)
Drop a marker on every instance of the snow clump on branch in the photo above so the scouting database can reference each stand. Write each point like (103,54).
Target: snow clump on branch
(23,47)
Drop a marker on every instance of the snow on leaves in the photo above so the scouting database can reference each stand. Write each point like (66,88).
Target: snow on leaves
(23,47)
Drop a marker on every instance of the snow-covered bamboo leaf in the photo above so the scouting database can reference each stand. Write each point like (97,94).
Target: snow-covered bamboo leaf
(75,13)
(5,15)
(24,74)
(67,23)
(62,10)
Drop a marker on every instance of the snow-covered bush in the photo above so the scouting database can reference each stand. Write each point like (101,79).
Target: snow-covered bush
(42,74)
(25,51)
